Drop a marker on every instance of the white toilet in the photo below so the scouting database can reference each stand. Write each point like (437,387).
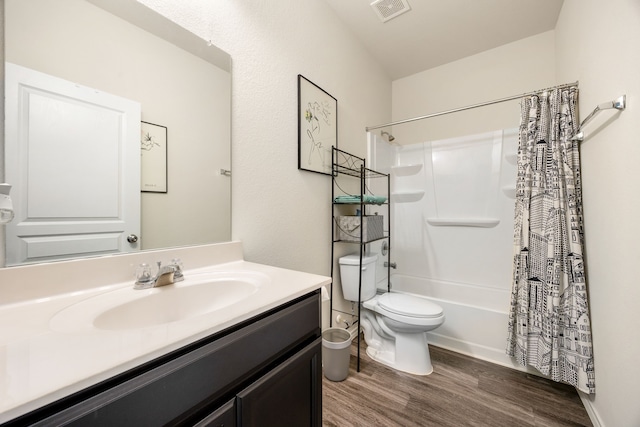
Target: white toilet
(394,324)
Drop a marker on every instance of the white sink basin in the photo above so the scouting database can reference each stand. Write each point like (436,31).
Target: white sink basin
(126,308)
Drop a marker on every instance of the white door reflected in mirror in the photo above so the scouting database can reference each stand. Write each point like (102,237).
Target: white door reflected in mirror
(56,132)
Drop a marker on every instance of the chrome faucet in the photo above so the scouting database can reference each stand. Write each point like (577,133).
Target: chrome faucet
(166,275)
(390,264)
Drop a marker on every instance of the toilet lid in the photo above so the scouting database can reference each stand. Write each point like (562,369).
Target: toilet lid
(409,305)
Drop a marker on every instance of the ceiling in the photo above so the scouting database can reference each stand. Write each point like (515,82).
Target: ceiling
(435,32)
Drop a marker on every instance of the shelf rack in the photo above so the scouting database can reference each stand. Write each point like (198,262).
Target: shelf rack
(349,165)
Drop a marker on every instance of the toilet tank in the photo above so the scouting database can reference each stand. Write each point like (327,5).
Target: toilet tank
(349,276)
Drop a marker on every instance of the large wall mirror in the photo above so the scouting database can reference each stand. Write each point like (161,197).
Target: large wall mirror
(56,147)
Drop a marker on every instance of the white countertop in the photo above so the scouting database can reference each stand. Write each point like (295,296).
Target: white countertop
(40,365)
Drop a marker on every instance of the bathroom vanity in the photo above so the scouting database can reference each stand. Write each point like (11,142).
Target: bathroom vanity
(256,361)
(265,371)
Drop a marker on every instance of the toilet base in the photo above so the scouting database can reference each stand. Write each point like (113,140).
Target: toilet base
(409,354)
(399,341)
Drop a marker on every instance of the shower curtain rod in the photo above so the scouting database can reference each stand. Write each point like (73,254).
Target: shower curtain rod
(469,107)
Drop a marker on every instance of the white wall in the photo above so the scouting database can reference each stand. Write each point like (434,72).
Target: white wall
(512,69)
(598,43)
(283,215)
(77,41)
(462,179)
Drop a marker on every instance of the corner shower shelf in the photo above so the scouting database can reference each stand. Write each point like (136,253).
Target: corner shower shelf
(407,196)
(405,170)
(464,222)
(509,191)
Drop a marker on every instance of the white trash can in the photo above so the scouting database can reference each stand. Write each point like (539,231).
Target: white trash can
(336,343)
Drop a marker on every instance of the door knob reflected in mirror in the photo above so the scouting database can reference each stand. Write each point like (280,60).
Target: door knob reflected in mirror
(132,238)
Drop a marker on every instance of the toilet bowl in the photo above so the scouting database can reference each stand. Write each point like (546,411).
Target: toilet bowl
(394,324)
(395,330)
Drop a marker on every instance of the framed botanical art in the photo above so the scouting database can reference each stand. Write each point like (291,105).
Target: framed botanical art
(317,127)
(153,150)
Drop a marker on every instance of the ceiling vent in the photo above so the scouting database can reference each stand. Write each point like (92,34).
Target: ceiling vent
(389,9)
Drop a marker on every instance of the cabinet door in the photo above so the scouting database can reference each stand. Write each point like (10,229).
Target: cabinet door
(289,395)
(225,416)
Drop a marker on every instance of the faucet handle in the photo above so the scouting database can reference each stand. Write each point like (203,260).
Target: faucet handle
(144,276)
(177,275)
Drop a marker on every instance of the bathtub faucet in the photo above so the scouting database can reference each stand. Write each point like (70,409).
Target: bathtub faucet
(390,264)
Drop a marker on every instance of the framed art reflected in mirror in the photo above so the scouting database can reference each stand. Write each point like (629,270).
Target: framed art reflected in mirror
(153,155)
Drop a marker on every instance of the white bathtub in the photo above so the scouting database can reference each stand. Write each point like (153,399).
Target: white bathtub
(475,316)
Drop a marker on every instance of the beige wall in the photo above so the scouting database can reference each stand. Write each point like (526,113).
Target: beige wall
(283,215)
(512,69)
(77,41)
(598,43)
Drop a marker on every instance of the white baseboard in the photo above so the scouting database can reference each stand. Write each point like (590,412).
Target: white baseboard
(591,411)
(499,357)
(478,351)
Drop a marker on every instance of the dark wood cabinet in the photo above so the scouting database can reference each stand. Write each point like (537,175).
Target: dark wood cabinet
(265,371)
(225,416)
(287,395)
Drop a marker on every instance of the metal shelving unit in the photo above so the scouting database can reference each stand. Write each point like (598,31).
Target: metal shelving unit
(350,166)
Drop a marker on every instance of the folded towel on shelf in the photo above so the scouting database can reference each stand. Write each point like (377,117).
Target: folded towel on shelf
(378,200)
(347,199)
(367,198)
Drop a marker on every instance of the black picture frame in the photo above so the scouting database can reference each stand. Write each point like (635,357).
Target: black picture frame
(317,127)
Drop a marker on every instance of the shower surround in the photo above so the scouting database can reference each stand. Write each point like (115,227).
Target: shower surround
(452,206)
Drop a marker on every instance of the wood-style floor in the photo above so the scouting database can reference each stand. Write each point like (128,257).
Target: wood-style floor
(461,391)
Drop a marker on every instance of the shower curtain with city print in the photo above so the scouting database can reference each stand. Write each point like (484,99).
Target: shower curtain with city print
(549,325)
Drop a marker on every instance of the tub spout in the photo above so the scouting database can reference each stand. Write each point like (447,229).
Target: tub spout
(390,264)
